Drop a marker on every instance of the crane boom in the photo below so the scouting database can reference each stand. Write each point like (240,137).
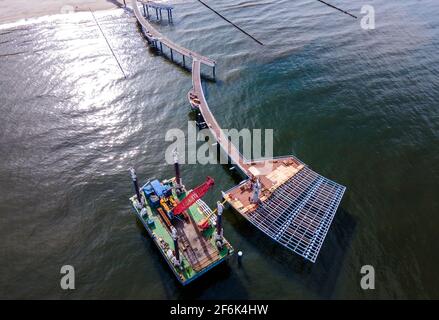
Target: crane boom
(193,196)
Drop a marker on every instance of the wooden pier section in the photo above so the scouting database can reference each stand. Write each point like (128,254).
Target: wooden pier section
(158,40)
(296,205)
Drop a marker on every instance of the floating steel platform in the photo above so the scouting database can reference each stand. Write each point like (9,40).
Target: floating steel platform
(297,214)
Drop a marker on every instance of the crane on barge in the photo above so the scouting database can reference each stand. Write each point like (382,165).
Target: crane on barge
(181,224)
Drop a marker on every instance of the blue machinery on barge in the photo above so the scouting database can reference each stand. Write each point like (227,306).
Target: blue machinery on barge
(282,196)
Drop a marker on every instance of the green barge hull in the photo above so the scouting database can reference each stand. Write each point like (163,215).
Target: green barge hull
(197,248)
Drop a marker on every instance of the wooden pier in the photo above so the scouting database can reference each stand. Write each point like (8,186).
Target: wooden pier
(296,205)
(158,40)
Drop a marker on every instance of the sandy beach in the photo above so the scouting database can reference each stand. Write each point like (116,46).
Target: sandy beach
(13,10)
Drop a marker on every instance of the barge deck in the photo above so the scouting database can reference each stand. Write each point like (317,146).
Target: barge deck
(197,248)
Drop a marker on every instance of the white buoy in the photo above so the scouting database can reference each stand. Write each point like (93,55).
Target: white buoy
(239,257)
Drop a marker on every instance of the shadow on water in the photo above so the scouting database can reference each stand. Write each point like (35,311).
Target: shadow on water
(321,277)
(215,284)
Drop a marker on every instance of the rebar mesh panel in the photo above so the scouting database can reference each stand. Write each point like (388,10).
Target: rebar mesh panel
(299,213)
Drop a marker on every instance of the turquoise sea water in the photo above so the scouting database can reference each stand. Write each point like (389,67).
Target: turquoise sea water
(360,107)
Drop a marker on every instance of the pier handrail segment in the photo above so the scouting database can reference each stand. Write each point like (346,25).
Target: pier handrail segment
(154,5)
(170,44)
(213,125)
(232,151)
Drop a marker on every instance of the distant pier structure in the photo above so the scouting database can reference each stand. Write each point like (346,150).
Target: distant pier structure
(159,41)
(158,7)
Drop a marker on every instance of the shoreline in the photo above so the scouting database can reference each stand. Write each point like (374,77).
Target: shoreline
(16,10)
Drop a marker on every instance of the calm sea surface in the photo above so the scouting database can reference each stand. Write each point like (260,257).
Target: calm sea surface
(360,107)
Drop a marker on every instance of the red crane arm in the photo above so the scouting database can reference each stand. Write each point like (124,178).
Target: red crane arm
(193,196)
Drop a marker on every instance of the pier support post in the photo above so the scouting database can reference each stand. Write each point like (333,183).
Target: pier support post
(144,9)
(147,11)
(175,238)
(184,62)
(213,72)
(219,213)
(172,56)
(136,185)
(157,13)
(219,240)
(177,171)
(256,191)
(160,14)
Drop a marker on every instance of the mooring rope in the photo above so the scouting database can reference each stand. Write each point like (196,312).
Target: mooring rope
(224,18)
(112,52)
(341,10)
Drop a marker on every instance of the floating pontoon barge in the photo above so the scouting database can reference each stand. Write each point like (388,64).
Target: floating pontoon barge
(192,242)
